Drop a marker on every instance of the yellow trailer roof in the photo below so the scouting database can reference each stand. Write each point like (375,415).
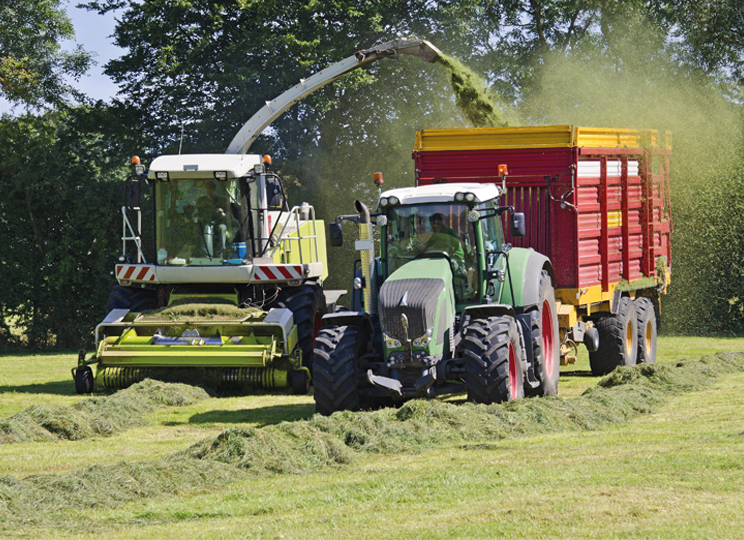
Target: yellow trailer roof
(432,140)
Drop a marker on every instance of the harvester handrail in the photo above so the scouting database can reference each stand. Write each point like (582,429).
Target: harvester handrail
(295,213)
(134,237)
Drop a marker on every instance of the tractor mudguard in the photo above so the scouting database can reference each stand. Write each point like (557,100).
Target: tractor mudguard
(525,267)
(482,311)
(347,318)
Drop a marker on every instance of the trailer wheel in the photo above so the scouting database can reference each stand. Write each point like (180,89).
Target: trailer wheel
(84,380)
(494,353)
(618,339)
(545,341)
(308,306)
(646,320)
(335,378)
(133,299)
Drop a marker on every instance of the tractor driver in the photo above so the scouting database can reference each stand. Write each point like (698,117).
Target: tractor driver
(443,238)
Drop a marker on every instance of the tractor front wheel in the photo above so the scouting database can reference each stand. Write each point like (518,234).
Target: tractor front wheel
(494,353)
(335,378)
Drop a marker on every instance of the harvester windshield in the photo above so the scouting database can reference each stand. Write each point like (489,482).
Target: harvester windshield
(434,230)
(203,221)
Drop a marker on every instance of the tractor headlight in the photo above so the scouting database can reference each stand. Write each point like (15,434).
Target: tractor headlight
(391,343)
(424,340)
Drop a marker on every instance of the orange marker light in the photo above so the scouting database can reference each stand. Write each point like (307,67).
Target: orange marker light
(378,178)
(503,170)
(267,160)
(136,160)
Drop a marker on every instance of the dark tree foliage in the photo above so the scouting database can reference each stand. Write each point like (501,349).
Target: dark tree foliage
(61,185)
(32,62)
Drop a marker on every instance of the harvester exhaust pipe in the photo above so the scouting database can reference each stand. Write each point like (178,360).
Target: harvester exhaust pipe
(366,246)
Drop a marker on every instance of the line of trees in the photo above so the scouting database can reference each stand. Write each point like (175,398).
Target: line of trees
(202,68)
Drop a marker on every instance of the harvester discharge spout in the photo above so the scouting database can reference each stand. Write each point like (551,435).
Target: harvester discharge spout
(275,108)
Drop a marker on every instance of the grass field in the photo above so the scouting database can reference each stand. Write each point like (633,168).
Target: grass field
(676,473)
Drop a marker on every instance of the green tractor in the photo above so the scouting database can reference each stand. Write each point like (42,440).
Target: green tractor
(447,307)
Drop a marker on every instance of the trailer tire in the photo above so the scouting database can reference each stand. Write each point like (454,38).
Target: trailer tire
(494,354)
(307,304)
(336,375)
(135,300)
(84,380)
(545,341)
(618,339)
(646,320)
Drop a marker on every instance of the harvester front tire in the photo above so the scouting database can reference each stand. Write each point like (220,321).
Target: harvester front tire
(646,320)
(300,382)
(84,380)
(335,376)
(545,341)
(307,304)
(133,299)
(618,339)
(494,354)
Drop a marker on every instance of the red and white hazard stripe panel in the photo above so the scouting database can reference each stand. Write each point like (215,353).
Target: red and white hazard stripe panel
(277,272)
(135,272)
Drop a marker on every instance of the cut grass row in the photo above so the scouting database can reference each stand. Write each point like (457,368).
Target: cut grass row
(322,442)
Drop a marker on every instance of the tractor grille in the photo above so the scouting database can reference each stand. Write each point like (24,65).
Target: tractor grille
(421,297)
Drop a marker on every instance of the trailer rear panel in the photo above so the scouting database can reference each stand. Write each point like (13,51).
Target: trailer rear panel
(596,200)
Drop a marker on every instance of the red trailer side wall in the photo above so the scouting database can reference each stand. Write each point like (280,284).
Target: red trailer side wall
(614,224)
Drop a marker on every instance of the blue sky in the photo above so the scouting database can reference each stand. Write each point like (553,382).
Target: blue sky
(92,31)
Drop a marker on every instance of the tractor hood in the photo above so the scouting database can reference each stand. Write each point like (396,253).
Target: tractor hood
(422,290)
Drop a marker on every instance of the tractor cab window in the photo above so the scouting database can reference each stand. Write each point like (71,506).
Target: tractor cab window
(492,234)
(431,230)
(201,222)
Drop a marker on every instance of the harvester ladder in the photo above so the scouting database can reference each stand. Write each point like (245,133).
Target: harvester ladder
(128,233)
(286,241)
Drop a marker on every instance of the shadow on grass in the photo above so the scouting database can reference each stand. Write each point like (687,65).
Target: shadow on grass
(577,373)
(262,416)
(62,388)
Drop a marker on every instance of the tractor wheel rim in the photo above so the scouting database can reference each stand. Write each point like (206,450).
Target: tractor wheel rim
(512,372)
(547,337)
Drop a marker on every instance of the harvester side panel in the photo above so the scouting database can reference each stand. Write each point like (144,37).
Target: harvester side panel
(605,217)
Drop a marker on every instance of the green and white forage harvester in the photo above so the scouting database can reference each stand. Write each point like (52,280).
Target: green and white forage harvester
(231,291)
(447,307)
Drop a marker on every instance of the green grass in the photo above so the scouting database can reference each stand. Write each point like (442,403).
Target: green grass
(673,474)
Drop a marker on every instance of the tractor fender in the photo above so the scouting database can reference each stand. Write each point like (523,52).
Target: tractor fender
(481,311)
(525,267)
(346,318)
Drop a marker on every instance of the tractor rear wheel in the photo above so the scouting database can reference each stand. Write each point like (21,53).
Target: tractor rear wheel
(494,353)
(308,306)
(646,320)
(133,299)
(618,339)
(544,340)
(336,375)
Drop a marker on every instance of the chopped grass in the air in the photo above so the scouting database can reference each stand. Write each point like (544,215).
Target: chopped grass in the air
(472,95)
(336,441)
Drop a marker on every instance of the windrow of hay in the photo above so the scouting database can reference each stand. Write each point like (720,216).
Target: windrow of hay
(96,415)
(472,96)
(331,442)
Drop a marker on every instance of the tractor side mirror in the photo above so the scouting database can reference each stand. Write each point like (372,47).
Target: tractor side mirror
(336,234)
(518,226)
(132,193)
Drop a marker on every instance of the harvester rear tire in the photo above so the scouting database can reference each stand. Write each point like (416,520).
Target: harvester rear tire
(336,375)
(646,320)
(544,340)
(307,304)
(618,339)
(494,353)
(84,380)
(133,299)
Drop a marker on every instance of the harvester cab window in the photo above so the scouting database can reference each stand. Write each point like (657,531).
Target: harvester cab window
(434,229)
(199,222)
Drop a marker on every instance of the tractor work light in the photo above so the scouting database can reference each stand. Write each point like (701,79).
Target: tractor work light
(424,340)
(473,216)
(470,197)
(259,168)
(384,202)
(394,200)
(391,343)
(220,175)
(459,196)
(381,221)
(137,164)
(163,176)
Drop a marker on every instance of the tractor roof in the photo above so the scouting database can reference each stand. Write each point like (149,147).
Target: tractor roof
(201,165)
(438,193)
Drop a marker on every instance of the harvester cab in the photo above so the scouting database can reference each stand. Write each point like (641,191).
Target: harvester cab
(230,292)
(447,307)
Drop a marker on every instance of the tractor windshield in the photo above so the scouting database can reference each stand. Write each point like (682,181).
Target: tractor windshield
(202,222)
(431,230)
